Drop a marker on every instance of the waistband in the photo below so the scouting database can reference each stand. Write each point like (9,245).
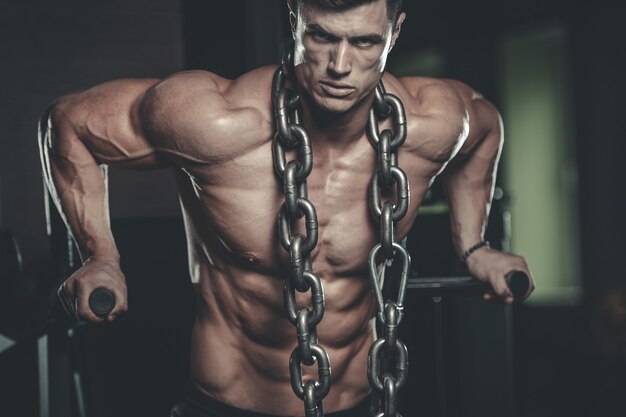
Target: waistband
(211,406)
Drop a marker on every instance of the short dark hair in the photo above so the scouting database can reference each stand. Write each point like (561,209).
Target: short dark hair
(393,6)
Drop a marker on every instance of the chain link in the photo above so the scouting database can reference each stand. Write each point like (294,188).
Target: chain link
(291,135)
(388,360)
(388,349)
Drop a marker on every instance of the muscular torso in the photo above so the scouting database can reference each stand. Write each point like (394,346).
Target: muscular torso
(242,339)
(231,210)
(219,135)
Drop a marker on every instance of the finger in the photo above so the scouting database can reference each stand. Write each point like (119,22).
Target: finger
(76,314)
(113,316)
(532,285)
(500,288)
(66,301)
(494,298)
(121,302)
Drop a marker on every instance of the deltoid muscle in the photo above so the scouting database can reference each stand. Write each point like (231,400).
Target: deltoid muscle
(388,358)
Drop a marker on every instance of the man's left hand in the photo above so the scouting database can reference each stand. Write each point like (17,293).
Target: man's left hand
(493,266)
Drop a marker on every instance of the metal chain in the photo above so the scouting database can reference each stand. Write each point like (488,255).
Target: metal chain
(388,361)
(290,134)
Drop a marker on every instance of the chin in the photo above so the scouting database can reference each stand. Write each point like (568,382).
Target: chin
(334,105)
(335,108)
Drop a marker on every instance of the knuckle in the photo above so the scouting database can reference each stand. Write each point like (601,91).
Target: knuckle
(80,281)
(67,288)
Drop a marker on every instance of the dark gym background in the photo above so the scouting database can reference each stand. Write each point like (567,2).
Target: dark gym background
(570,358)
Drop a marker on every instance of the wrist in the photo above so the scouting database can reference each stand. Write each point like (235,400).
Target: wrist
(102,250)
(479,245)
(103,256)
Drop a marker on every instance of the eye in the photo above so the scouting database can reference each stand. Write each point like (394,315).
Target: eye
(364,42)
(320,36)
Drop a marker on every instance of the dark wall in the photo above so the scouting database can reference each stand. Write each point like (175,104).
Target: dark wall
(242,35)
(599,65)
(51,48)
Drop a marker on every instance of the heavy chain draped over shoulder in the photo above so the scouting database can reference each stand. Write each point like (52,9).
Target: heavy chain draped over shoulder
(388,361)
(290,134)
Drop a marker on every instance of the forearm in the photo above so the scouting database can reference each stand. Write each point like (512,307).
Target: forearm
(76,185)
(469,181)
(79,133)
(469,185)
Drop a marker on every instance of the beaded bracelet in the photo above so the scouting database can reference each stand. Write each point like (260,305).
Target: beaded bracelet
(473,249)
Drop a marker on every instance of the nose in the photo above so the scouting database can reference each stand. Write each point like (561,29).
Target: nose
(340,63)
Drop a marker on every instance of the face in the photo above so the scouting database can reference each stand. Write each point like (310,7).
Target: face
(340,55)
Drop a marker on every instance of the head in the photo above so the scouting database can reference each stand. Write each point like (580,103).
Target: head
(341,48)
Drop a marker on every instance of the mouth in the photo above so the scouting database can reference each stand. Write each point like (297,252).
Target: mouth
(336,90)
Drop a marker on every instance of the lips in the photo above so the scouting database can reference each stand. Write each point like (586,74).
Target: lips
(336,90)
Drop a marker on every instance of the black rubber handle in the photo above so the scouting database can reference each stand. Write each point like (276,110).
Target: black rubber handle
(518,283)
(101,302)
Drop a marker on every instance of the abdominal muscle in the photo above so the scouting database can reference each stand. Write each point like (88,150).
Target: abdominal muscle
(242,340)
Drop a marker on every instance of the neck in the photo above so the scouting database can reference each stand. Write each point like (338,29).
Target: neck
(336,128)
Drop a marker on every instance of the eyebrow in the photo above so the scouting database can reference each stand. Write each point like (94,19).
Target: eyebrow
(374,37)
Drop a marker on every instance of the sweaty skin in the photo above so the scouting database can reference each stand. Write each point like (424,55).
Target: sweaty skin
(216,134)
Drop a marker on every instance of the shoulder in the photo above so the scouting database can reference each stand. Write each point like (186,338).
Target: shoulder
(432,96)
(464,115)
(191,86)
(436,99)
(484,119)
(440,95)
(480,111)
(437,116)
(202,117)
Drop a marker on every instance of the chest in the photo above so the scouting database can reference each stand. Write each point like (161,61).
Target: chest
(241,200)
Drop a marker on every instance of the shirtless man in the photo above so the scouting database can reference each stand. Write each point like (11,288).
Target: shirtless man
(218,134)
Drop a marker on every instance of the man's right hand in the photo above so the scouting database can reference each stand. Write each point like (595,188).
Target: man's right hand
(95,273)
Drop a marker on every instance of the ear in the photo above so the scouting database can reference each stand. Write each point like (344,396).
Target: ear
(293,16)
(396,30)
